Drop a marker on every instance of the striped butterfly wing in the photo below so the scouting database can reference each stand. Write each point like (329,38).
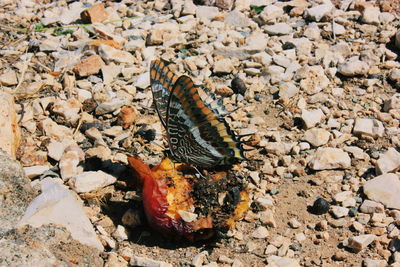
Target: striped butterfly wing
(162,81)
(196,132)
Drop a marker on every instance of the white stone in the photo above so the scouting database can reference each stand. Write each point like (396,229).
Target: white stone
(316,13)
(294,223)
(236,19)
(109,53)
(187,216)
(146,262)
(369,127)
(69,109)
(384,189)
(357,152)
(392,103)
(8,78)
(120,234)
(270,13)
(54,130)
(143,80)
(316,136)
(342,196)
(34,171)
(58,205)
(90,181)
(358,243)
(339,212)
(312,117)
(277,261)
(370,207)
(200,259)
(223,66)
(278,29)
(189,8)
(69,162)
(207,12)
(110,72)
(370,15)
(353,68)
(261,233)
(388,162)
(288,90)
(110,106)
(328,158)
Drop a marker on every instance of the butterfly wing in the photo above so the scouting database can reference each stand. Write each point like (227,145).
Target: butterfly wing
(162,81)
(197,133)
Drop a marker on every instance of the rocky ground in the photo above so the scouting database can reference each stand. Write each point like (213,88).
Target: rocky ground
(316,83)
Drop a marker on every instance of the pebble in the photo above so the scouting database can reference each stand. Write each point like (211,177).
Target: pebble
(370,15)
(120,234)
(69,162)
(267,218)
(95,13)
(316,137)
(328,158)
(384,189)
(339,211)
(282,261)
(147,262)
(294,223)
(311,118)
(320,206)
(316,13)
(358,243)
(8,78)
(353,68)
(90,181)
(109,53)
(207,12)
(368,127)
(223,66)
(278,29)
(10,132)
(388,162)
(260,233)
(89,66)
(200,259)
(34,171)
(392,103)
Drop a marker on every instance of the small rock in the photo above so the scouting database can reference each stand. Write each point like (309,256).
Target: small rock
(34,171)
(8,78)
(207,12)
(311,118)
(90,181)
(189,8)
(89,66)
(238,86)
(143,80)
(353,68)
(316,13)
(110,72)
(200,259)
(69,109)
(384,189)
(261,233)
(328,158)
(370,15)
(320,206)
(267,218)
(392,103)
(271,249)
(146,262)
(109,53)
(95,13)
(369,127)
(358,243)
(224,4)
(69,162)
(342,196)
(271,13)
(316,136)
(388,162)
(110,106)
(294,223)
(127,116)
(223,66)
(120,234)
(236,19)
(282,261)
(278,29)
(339,212)
(288,90)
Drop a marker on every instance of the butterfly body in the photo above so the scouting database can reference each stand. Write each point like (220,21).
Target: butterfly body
(193,118)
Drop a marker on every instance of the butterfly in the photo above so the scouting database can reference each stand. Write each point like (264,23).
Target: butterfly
(193,118)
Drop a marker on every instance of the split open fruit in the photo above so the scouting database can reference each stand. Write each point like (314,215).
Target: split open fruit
(178,204)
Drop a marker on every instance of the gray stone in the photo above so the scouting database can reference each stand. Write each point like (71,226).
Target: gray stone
(339,212)
(392,103)
(384,189)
